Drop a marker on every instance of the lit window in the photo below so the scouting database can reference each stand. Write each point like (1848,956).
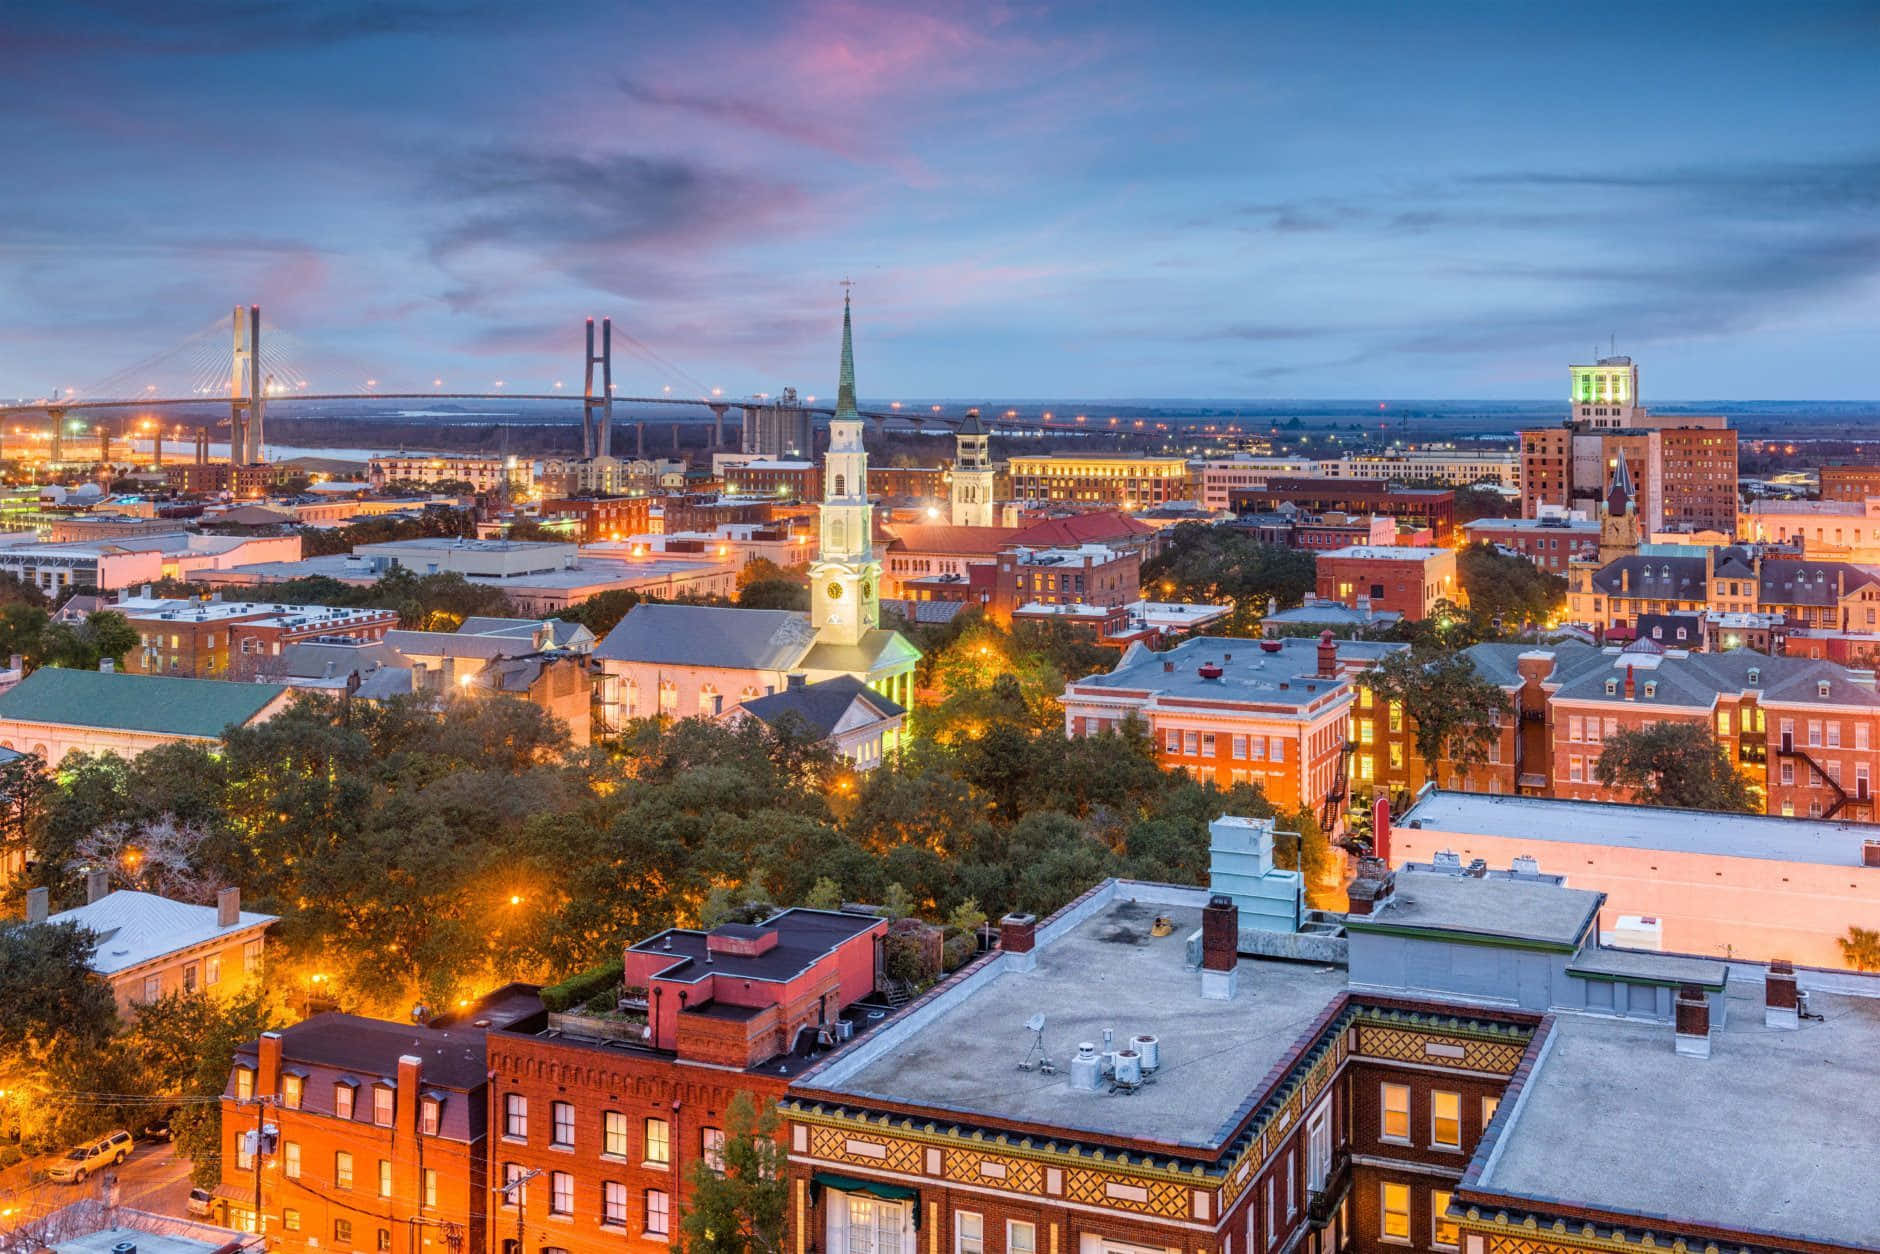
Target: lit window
(385,1177)
(561,1193)
(613,1204)
(658,1150)
(244,1083)
(430,1186)
(290,1219)
(614,1134)
(342,1232)
(343,1169)
(290,1159)
(382,1105)
(1442,1228)
(1489,1106)
(291,1088)
(429,1113)
(655,1213)
(1394,1208)
(1395,1099)
(563,1131)
(343,1097)
(1446,1120)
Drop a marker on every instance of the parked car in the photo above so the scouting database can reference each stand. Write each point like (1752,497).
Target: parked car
(106,1151)
(201,1203)
(157,1129)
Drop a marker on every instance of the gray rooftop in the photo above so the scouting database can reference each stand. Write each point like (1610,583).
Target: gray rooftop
(1533,911)
(134,928)
(1642,827)
(1097,967)
(709,635)
(1252,670)
(1773,1133)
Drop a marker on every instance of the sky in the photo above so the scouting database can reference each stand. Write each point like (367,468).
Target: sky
(1077,200)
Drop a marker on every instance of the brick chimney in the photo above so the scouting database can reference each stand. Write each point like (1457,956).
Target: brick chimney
(1631,685)
(228,907)
(1692,1022)
(1781,1005)
(1220,948)
(1018,937)
(1380,827)
(1870,853)
(38,905)
(1328,656)
(1372,888)
(97,883)
(268,1065)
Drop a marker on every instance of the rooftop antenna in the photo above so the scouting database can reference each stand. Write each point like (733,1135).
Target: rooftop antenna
(1035,1058)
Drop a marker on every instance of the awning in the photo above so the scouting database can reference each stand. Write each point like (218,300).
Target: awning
(874,1188)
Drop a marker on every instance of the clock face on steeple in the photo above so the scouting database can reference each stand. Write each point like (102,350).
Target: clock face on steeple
(835,591)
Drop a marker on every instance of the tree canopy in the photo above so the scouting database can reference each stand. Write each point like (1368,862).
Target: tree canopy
(1675,764)
(1511,588)
(1217,565)
(1455,710)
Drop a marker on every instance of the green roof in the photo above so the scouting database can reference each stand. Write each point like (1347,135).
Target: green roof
(145,703)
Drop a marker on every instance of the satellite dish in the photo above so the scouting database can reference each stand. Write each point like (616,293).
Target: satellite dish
(1036,1022)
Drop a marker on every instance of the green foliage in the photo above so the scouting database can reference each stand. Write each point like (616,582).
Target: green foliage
(578,989)
(103,634)
(600,614)
(182,1046)
(1218,565)
(774,594)
(1861,948)
(739,1207)
(824,894)
(1675,764)
(1453,708)
(433,523)
(438,602)
(49,992)
(1501,585)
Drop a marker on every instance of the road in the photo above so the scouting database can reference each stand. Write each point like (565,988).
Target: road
(154,1178)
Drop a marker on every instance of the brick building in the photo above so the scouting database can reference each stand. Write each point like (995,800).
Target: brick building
(607,1116)
(379,1138)
(1270,712)
(1826,595)
(603,517)
(781,480)
(1850,483)
(1089,574)
(923,483)
(1319,533)
(1550,542)
(218,639)
(1431,509)
(1115,480)
(1407,580)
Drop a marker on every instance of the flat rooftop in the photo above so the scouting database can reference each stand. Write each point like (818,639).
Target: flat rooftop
(1768,837)
(1387,552)
(1537,911)
(1773,1133)
(1098,967)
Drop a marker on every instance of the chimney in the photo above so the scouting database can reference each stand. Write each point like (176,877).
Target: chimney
(38,905)
(796,682)
(268,1065)
(1168,668)
(107,665)
(1372,889)
(1631,687)
(1380,827)
(405,1096)
(1781,1001)
(1220,948)
(1328,656)
(1870,853)
(147,591)
(228,907)
(1018,937)
(97,883)
(1692,1020)
(1625,579)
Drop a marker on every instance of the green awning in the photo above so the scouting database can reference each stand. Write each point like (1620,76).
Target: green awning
(874,1188)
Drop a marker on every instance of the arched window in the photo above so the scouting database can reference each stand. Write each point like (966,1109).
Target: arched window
(710,703)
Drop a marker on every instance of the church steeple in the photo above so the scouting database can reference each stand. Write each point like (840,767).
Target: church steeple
(845,597)
(845,389)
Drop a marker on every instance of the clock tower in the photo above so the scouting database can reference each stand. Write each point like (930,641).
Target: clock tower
(845,580)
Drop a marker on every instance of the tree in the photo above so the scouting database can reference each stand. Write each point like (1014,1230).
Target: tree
(158,856)
(739,1203)
(774,594)
(1221,565)
(183,1045)
(600,614)
(1861,948)
(104,634)
(1502,585)
(1675,764)
(1455,710)
(48,990)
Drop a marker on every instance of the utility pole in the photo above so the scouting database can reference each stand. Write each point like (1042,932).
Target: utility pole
(516,1187)
(261,1136)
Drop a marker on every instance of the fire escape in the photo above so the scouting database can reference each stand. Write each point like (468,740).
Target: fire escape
(1789,749)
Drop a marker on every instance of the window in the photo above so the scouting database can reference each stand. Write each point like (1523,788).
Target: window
(515,1189)
(1446,1120)
(614,1134)
(383,1241)
(1442,1228)
(290,1219)
(153,987)
(1319,1147)
(1020,1237)
(1292,1192)
(1394,1212)
(191,971)
(385,1177)
(211,971)
(516,1116)
(1240,748)
(613,1204)
(1489,1106)
(290,1159)
(658,1150)
(382,1105)
(1396,716)
(343,1096)
(561,1193)
(562,1131)
(1272,1213)
(655,1213)
(291,1088)
(342,1232)
(429,1112)
(430,1186)
(1191,743)
(1723,722)
(969,1232)
(343,1169)
(244,1152)
(711,1144)
(251,957)
(1395,1100)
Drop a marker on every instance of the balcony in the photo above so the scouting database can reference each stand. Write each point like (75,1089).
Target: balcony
(1322,1203)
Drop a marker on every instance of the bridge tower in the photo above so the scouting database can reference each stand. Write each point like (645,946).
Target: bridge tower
(597,411)
(247,394)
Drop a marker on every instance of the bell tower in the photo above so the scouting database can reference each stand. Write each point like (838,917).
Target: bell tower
(972,474)
(845,592)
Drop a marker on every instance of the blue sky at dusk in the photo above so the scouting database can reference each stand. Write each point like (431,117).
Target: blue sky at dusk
(1034,200)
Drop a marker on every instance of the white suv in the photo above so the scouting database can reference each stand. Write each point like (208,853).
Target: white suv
(107,1151)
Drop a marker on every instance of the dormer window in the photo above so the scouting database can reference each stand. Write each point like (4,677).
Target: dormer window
(430,1114)
(291,1088)
(1612,687)
(345,1095)
(1821,688)
(1755,675)
(1651,687)
(244,1083)
(382,1105)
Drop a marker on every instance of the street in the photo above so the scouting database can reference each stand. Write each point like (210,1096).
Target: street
(154,1178)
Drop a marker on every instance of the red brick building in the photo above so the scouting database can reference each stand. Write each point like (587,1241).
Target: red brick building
(1433,509)
(607,1114)
(603,517)
(1089,574)
(783,480)
(378,1140)
(233,639)
(1406,580)
(1550,543)
(1850,483)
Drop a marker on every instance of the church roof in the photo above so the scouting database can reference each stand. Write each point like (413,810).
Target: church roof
(942,538)
(709,635)
(970,425)
(845,389)
(878,651)
(822,705)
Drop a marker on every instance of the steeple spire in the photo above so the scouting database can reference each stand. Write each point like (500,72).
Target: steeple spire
(845,390)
